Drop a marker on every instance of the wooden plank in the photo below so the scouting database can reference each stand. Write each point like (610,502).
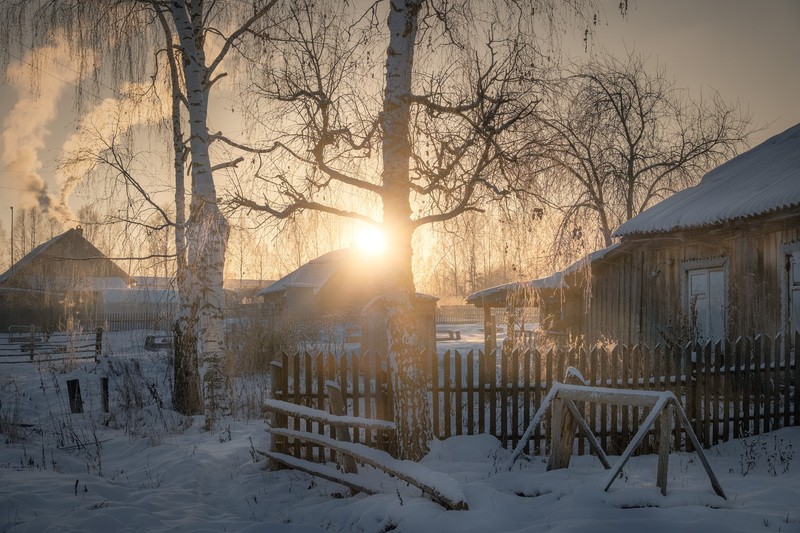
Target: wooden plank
(470,392)
(756,377)
(435,393)
(481,396)
(767,383)
(581,393)
(529,431)
(537,397)
(648,356)
(320,372)
(440,487)
(699,449)
(724,367)
(276,444)
(330,375)
(342,433)
(458,394)
(786,380)
(736,388)
(665,433)
(492,378)
(748,355)
(590,436)
(604,409)
(526,393)
(625,375)
(367,371)
(309,396)
(296,394)
(355,378)
(317,415)
(514,430)
(776,383)
(626,454)
(505,354)
(614,417)
(353,482)
(707,404)
(448,414)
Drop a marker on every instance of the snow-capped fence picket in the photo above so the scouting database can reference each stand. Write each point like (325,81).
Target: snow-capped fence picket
(728,390)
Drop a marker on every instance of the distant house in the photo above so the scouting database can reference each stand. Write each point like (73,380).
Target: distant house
(57,280)
(345,286)
(342,281)
(717,260)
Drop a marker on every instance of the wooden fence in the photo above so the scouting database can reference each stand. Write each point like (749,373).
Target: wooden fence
(728,390)
(31,344)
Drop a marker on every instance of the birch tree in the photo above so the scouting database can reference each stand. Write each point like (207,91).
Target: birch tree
(421,137)
(124,37)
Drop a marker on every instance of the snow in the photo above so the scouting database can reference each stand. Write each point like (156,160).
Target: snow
(763,179)
(143,467)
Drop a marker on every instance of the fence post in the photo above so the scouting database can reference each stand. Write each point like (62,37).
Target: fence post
(104,393)
(276,443)
(98,344)
(74,392)
(33,340)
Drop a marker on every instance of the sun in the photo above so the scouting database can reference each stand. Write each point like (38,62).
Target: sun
(371,240)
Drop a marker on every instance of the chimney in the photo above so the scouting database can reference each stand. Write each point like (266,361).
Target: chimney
(79,229)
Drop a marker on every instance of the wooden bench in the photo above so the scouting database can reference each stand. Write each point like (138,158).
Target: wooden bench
(154,343)
(448,335)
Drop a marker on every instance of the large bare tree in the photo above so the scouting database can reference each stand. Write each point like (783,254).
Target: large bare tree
(421,136)
(621,138)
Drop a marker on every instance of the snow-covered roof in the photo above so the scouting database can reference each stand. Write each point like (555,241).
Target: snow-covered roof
(314,274)
(763,179)
(588,259)
(498,294)
(77,248)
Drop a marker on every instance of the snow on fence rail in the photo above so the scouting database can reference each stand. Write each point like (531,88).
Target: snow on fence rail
(35,345)
(728,390)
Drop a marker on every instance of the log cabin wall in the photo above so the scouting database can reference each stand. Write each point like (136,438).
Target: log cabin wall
(636,293)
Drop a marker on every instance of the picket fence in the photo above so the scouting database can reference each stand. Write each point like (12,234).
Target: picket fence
(728,390)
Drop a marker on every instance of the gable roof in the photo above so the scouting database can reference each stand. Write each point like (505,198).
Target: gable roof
(314,274)
(498,296)
(761,180)
(70,246)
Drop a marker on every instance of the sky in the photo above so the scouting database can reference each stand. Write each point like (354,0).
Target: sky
(747,51)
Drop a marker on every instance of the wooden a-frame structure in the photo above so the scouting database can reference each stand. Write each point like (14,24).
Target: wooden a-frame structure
(663,406)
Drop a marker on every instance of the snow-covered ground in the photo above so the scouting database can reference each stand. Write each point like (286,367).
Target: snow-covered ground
(143,467)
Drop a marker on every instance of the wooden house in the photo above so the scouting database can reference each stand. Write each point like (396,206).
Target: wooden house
(58,280)
(342,281)
(345,288)
(717,260)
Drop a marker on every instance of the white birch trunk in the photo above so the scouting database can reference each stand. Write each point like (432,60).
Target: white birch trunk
(411,406)
(207,230)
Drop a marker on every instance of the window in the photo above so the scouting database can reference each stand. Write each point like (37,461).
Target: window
(705,290)
(793,297)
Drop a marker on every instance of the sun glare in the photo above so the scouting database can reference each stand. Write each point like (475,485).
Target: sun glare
(371,240)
